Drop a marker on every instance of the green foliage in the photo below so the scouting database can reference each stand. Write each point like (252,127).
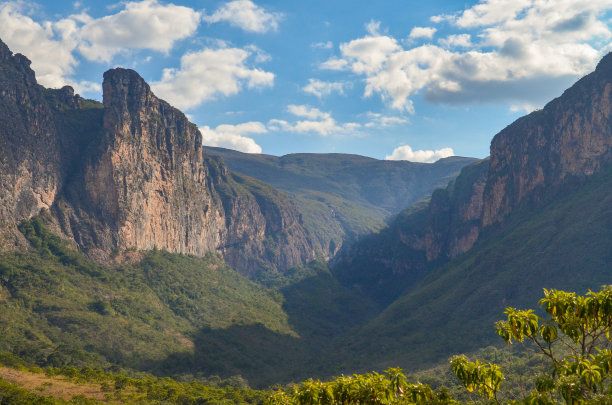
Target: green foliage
(142,389)
(580,324)
(565,244)
(486,378)
(59,308)
(391,387)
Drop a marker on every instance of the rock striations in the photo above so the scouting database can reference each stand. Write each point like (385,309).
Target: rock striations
(130,174)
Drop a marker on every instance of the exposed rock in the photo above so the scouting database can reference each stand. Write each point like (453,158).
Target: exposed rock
(30,164)
(130,174)
(571,136)
(530,159)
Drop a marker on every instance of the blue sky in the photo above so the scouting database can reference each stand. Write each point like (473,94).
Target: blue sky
(397,79)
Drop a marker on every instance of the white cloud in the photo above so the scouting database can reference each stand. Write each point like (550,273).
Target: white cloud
(373,27)
(422,32)
(322,89)
(322,45)
(52,58)
(379,120)
(424,156)
(246,15)
(232,136)
(51,44)
(307,112)
(141,25)
(316,121)
(460,40)
(527,52)
(208,73)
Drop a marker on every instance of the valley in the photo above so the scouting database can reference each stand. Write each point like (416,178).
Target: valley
(130,248)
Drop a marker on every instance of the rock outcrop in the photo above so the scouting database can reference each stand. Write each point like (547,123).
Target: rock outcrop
(130,174)
(569,139)
(571,136)
(30,163)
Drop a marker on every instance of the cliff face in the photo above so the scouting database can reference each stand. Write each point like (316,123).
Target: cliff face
(30,169)
(147,185)
(147,180)
(571,136)
(130,174)
(530,159)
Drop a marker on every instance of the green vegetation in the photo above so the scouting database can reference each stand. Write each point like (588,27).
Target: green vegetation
(94,386)
(342,197)
(59,308)
(372,388)
(573,340)
(563,244)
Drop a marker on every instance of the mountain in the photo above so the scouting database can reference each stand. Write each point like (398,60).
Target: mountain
(130,174)
(535,215)
(117,229)
(340,196)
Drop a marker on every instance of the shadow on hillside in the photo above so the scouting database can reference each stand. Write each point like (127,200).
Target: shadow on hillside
(320,311)
(256,353)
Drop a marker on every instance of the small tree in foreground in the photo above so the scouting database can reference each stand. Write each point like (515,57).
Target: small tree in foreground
(575,339)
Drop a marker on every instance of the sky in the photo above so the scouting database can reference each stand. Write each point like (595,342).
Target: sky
(390,79)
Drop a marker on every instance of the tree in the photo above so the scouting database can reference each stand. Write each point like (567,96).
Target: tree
(575,338)
(389,388)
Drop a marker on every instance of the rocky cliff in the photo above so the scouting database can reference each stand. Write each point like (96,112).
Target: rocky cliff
(571,136)
(130,174)
(30,164)
(568,140)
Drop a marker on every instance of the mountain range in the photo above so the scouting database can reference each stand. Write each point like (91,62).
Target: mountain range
(118,227)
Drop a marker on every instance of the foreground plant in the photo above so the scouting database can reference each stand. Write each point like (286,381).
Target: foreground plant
(575,339)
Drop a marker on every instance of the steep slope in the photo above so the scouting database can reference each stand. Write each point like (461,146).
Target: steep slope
(539,217)
(58,307)
(130,174)
(570,138)
(340,196)
(384,264)
(564,244)
(30,162)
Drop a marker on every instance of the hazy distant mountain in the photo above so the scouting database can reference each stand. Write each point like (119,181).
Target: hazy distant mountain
(341,196)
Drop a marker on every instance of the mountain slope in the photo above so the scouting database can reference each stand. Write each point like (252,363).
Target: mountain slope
(341,196)
(537,216)
(57,307)
(565,244)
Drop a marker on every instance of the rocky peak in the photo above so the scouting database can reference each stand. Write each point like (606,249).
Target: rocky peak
(5,52)
(571,136)
(30,172)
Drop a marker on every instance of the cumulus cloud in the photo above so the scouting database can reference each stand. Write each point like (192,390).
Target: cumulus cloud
(246,15)
(141,25)
(317,121)
(51,54)
(323,89)
(208,73)
(521,46)
(51,44)
(424,156)
(461,40)
(232,136)
(422,32)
